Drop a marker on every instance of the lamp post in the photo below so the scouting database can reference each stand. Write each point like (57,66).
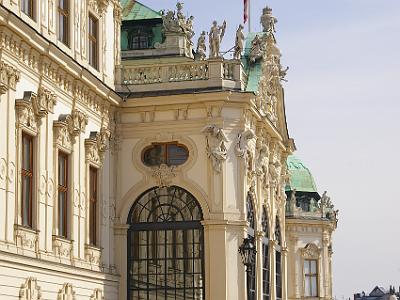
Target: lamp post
(248,252)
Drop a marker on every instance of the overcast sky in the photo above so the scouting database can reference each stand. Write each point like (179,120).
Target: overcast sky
(343,110)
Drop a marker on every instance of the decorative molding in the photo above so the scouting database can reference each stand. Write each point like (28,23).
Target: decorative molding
(99,6)
(62,247)
(25,116)
(9,77)
(310,251)
(44,101)
(93,255)
(26,238)
(97,295)
(163,174)
(216,150)
(62,136)
(66,292)
(242,143)
(30,290)
(77,122)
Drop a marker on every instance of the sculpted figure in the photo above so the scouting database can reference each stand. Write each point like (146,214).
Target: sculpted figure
(268,21)
(216,149)
(256,50)
(188,28)
(201,46)
(242,143)
(215,37)
(239,42)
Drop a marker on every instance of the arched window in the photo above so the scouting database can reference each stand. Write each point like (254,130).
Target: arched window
(165,246)
(251,276)
(278,257)
(265,255)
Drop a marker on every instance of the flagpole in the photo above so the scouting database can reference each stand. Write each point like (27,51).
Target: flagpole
(249,14)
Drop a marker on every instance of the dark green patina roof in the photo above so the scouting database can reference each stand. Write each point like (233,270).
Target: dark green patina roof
(253,70)
(134,10)
(301,178)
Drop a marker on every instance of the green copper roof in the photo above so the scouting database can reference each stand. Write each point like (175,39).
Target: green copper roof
(133,10)
(253,70)
(301,178)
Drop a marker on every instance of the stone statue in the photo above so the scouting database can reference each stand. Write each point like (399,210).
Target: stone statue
(216,149)
(188,28)
(268,21)
(256,50)
(242,142)
(215,38)
(239,42)
(201,46)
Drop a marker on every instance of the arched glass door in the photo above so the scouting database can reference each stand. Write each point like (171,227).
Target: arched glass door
(165,246)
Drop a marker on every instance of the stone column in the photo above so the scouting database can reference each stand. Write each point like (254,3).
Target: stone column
(272,272)
(325,263)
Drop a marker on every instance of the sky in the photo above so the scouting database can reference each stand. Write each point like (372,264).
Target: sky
(343,110)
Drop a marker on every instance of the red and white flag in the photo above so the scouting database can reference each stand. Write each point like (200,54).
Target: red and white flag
(245,10)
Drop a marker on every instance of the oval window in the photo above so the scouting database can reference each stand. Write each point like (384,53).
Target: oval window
(171,154)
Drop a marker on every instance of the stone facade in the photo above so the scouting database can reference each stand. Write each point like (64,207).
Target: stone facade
(103,118)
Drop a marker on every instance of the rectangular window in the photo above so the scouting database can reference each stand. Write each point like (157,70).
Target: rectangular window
(27,180)
(93,41)
(63,21)
(27,7)
(93,206)
(62,194)
(310,278)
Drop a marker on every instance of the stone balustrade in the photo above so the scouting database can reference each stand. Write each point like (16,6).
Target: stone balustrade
(213,73)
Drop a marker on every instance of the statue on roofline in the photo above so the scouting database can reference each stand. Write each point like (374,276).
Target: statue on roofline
(215,38)
(239,42)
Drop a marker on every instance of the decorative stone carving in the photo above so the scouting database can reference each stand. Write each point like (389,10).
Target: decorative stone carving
(25,115)
(62,136)
(93,255)
(102,139)
(216,149)
(62,247)
(242,143)
(268,21)
(45,101)
(239,42)
(26,238)
(201,46)
(96,145)
(215,38)
(97,295)
(66,292)
(257,49)
(30,290)
(9,77)
(99,6)
(77,122)
(311,251)
(163,174)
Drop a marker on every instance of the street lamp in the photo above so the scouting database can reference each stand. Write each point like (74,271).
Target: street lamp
(248,252)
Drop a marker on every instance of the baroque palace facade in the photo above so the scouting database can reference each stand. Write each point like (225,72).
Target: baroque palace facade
(133,167)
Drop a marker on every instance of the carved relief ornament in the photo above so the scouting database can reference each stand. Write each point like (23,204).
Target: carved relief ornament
(62,136)
(66,292)
(9,77)
(242,143)
(96,145)
(216,149)
(163,174)
(30,290)
(99,6)
(310,251)
(97,295)
(77,122)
